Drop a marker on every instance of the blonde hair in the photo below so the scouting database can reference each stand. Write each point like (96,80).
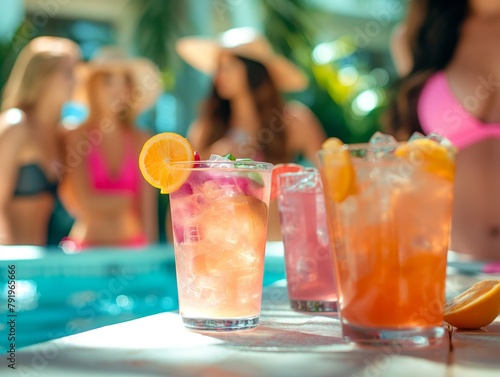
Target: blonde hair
(40,58)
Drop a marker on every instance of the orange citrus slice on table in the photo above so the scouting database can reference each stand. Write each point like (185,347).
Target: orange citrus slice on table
(282,169)
(338,170)
(434,157)
(156,155)
(476,307)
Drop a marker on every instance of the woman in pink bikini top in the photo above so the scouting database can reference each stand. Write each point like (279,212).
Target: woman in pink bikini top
(448,53)
(102,186)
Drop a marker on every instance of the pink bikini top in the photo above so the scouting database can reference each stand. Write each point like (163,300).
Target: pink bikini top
(128,178)
(440,112)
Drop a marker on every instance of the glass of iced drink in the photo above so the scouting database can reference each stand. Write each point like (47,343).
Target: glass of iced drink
(389,210)
(219,219)
(308,259)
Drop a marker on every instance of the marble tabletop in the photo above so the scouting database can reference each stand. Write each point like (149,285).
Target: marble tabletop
(286,343)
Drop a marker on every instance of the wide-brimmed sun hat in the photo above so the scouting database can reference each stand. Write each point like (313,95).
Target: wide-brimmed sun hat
(203,54)
(53,45)
(146,79)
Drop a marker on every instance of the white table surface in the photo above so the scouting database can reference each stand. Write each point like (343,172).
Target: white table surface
(286,343)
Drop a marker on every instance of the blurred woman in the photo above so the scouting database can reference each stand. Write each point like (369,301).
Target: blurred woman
(245,113)
(103,188)
(40,83)
(448,53)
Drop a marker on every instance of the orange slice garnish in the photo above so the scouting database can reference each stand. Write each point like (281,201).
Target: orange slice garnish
(338,170)
(476,307)
(430,155)
(156,155)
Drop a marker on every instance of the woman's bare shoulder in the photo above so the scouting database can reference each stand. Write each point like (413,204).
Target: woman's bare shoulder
(13,126)
(297,109)
(300,115)
(400,50)
(196,126)
(306,134)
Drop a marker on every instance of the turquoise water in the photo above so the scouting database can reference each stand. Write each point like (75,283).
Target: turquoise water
(59,295)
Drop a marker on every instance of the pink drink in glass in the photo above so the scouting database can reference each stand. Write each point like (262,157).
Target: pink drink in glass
(308,259)
(219,219)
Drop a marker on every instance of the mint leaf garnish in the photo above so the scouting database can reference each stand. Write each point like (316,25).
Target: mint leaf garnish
(230,157)
(256,178)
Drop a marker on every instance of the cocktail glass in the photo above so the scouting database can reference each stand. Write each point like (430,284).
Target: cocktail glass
(219,219)
(308,259)
(389,220)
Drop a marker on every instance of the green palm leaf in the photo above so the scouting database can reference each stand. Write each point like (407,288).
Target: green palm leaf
(289,27)
(158,27)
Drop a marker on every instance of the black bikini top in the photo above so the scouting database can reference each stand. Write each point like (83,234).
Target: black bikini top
(32,181)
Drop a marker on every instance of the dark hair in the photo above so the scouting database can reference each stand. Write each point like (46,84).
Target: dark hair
(433,31)
(269,105)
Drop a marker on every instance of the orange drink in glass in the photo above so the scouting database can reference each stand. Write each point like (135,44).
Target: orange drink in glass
(219,219)
(389,208)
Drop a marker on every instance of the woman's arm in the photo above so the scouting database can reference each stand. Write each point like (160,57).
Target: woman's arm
(76,192)
(148,203)
(11,139)
(223,146)
(195,135)
(405,34)
(400,50)
(305,131)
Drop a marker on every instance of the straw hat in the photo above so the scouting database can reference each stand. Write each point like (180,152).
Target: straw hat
(54,45)
(203,54)
(146,80)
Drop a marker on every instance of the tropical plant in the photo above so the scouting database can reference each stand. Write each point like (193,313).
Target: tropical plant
(291,28)
(9,49)
(159,24)
(288,25)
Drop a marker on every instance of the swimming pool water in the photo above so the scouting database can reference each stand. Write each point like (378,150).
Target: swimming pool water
(59,294)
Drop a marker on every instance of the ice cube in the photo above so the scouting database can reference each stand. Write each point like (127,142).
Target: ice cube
(235,221)
(441,140)
(215,189)
(216,157)
(321,231)
(309,181)
(181,209)
(379,139)
(218,161)
(231,184)
(416,136)
(237,259)
(381,145)
(246,283)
